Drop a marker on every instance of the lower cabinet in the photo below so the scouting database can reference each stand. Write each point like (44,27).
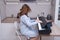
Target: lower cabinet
(57,38)
(50,38)
(47,38)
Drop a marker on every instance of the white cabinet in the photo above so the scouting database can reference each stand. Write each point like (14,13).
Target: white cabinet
(57,13)
(50,38)
(7,31)
(47,38)
(12,0)
(57,38)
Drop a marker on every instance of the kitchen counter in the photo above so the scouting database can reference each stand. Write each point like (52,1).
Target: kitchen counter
(55,29)
(54,35)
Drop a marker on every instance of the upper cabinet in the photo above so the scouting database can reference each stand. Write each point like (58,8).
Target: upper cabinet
(11,0)
(43,0)
(35,0)
(28,0)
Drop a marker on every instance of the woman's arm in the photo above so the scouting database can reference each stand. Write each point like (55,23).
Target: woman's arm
(27,21)
(32,20)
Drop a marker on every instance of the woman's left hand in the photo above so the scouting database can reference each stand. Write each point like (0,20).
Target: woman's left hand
(40,21)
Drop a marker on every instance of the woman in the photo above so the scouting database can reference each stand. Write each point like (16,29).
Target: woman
(26,24)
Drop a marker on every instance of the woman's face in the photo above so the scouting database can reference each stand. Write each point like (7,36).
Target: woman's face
(25,9)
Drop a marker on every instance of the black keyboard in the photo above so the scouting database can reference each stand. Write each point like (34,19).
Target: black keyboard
(46,27)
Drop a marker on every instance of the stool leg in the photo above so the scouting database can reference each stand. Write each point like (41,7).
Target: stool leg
(19,37)
(40,37)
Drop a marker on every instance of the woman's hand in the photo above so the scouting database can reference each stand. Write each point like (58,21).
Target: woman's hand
(39,21)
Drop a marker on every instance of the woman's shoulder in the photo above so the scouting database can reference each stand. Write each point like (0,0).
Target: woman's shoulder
(23,17)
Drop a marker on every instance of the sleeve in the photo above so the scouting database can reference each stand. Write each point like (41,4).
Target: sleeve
(27,21)
(32,20)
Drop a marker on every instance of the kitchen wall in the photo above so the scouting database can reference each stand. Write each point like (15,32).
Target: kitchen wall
(36,8)
(2,9)
(53,3)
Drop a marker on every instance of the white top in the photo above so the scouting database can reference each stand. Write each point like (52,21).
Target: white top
(26,26)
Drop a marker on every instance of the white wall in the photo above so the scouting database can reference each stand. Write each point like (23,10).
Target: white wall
(53,8)
(36,8)
(2,10)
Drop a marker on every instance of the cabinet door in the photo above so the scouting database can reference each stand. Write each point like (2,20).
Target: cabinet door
(0,11)
(57,38)
(7,31)
(47,38)
(57,12)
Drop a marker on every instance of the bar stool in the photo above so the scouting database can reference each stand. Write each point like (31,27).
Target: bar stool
(18,33)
